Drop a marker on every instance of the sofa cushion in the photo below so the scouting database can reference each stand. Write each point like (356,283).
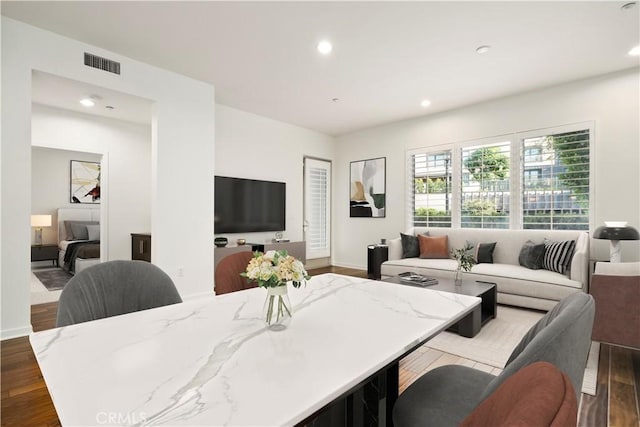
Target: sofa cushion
(433,247)
(532,255)
(523,273)
(483,253)
(410,246)
(557,255)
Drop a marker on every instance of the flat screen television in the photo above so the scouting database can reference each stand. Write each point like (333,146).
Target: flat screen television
(249,205)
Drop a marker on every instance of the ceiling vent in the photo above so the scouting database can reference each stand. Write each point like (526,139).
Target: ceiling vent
(100,63)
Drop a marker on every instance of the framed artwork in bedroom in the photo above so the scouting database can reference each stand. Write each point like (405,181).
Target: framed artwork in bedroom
(85,182)
(367,195)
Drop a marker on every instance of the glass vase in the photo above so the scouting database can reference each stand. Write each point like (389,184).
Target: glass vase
(277,311)
(458,279)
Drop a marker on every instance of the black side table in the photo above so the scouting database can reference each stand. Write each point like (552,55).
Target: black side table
(376,255)
(45,253)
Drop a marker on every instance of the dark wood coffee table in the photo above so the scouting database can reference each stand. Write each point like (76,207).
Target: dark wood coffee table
(470,325)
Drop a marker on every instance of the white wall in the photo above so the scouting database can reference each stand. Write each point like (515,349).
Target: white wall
(127,195)
(182,141)
(50,176)
(611,101)
(255,147)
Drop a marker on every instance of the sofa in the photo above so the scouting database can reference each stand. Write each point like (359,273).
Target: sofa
(516,285)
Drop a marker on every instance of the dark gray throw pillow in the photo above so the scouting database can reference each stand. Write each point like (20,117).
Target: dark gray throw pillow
(484,253)
(410,245)
(531,255)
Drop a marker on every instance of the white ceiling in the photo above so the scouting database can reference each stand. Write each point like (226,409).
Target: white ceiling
(387,56)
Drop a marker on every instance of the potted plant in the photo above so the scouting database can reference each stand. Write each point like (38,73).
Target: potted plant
(465,259)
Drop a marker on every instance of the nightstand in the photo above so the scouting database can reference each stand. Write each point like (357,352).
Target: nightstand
(376,255)
(45,253)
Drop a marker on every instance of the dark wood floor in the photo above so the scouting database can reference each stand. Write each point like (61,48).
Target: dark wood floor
(26,401)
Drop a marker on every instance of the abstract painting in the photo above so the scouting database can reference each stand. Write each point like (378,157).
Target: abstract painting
(85,182)
(368,188)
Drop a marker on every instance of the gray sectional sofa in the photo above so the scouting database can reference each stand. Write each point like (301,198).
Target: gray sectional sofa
(517,285)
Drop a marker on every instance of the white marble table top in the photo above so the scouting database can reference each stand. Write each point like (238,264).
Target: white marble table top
(211,361)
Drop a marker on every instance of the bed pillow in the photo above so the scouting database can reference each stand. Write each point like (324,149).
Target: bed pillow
(410,245)
(531,255)
(557,255)
(80,229)
(483,253)
(434,247)
(94,232)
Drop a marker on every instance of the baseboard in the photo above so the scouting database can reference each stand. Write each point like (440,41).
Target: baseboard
(7,334)
(357,267)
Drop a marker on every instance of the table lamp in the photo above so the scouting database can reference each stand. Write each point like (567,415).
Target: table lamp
(39,221)
(616,231)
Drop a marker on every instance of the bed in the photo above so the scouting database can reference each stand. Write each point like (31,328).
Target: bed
(78,238)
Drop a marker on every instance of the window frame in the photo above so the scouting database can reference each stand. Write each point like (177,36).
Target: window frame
(516,162)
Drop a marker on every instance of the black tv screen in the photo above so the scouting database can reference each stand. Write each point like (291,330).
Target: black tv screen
(248,205)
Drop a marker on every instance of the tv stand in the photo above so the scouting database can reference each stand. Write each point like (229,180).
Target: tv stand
(295,249)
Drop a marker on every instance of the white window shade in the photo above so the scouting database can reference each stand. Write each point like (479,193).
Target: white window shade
(317,208)
(485,190)
(432,189)
(555,181)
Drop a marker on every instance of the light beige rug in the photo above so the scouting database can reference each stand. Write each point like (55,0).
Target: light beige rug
(497,339)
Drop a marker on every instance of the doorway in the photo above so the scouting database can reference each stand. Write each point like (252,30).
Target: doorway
(317,211)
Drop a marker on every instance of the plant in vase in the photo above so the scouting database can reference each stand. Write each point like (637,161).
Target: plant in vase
(272,270)
(465,259)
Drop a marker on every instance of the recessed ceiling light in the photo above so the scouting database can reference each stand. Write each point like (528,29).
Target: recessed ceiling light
(335,99)
(628,6)
(425,103)
(635,51)
(324,47)
(483,49)
(87,102)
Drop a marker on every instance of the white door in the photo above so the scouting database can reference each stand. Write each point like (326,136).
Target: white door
(317,207)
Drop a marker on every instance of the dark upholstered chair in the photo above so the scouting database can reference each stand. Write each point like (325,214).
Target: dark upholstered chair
(227,276)
(615,287)
(446,395)
(113,288)
(537,395)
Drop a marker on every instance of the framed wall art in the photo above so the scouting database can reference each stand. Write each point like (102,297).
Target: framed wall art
(85,182)
(367,196)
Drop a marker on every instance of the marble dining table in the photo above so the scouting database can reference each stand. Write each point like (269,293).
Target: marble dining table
(211,361)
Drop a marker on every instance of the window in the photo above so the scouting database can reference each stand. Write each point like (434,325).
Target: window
(432,189)
(485,186)
(532,180)
(557,197)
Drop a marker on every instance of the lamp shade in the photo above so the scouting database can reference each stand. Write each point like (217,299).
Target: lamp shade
(616,233)
(41,220)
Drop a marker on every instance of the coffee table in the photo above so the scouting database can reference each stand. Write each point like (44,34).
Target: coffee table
(470,325)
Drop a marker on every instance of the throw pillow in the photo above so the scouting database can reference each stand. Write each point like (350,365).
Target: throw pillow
(94,232)
(557,255)
(79,231)
(410,245)
(68,229)
(531,255)
(434,247)
(483,253)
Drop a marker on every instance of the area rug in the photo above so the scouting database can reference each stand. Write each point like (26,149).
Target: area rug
(497,339)
(53,280)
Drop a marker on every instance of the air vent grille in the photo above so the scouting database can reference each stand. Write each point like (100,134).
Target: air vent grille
(101,63)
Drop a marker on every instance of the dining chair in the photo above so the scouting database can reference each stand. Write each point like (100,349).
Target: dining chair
(446,395)
(537,395)
(227,275)
(113,288)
